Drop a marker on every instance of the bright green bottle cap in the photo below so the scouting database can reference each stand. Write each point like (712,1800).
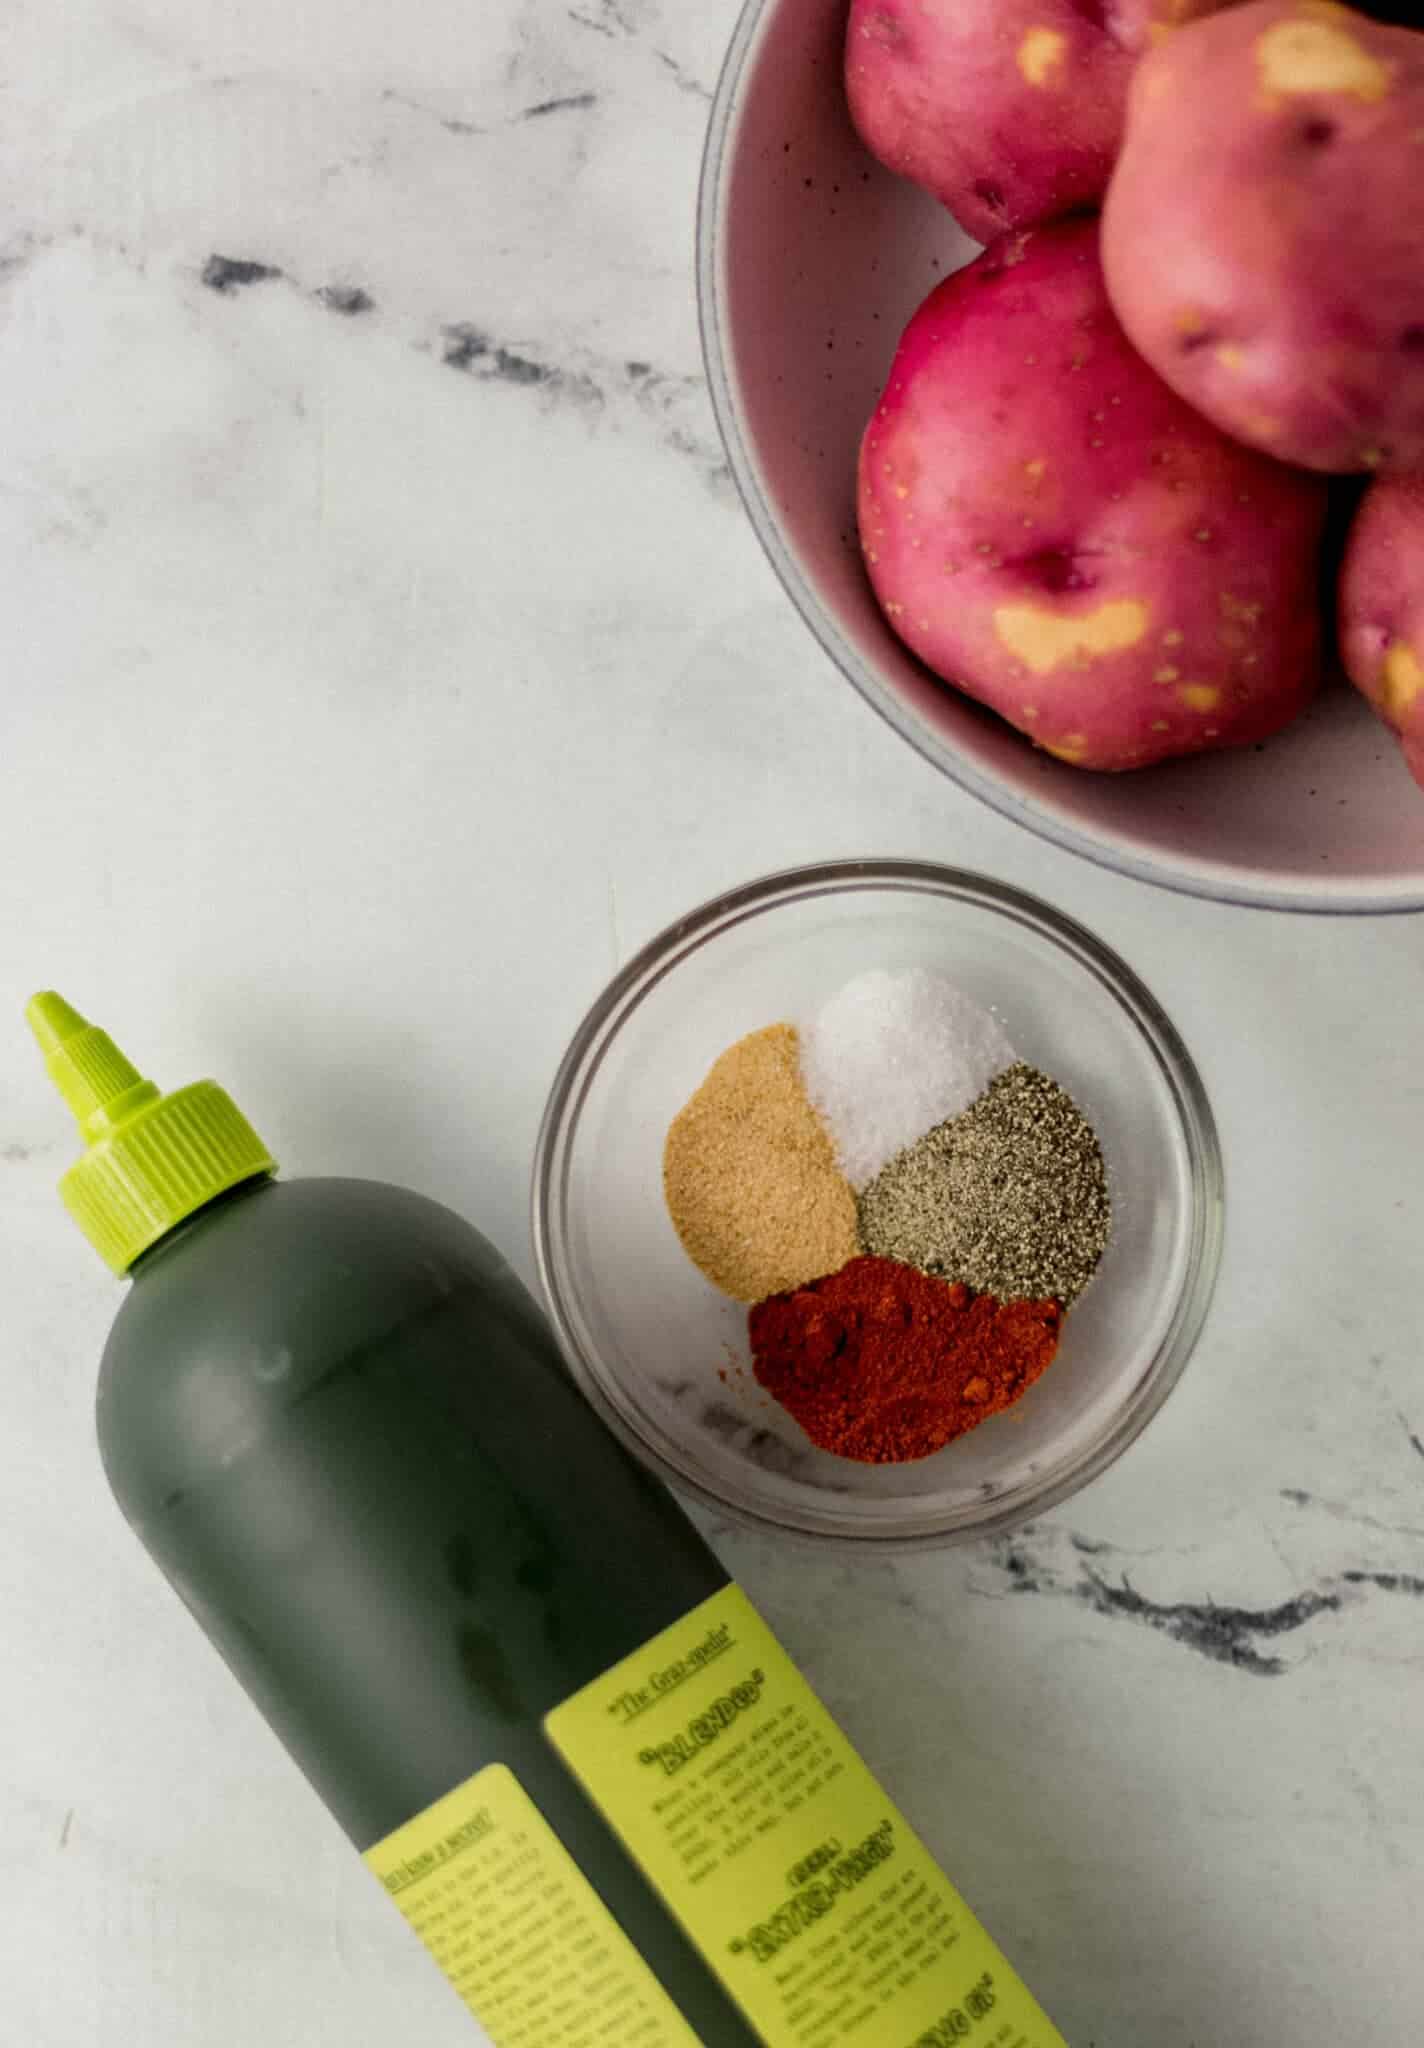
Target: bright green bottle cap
(151,1160)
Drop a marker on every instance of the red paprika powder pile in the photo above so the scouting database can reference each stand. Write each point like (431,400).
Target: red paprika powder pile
(885,1364)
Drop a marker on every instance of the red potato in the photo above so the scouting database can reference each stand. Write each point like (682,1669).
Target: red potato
(1009,111)
(1053,530)
(1381,609)
(1263,235)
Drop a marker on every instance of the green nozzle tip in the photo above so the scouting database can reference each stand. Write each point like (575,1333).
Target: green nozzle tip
(53,1020)
(150,1160)
(98,1083)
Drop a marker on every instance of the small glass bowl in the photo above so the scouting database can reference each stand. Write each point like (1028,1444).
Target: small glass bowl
(664,1357)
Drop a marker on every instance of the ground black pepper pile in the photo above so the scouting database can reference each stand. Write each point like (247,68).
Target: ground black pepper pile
(1010,1198)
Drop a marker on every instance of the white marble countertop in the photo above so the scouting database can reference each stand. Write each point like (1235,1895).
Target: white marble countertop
(386,656)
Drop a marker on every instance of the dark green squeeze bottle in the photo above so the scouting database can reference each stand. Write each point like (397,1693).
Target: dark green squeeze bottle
(565,1743)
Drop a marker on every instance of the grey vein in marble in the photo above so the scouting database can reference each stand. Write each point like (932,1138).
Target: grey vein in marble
(582,102)
(1341,1511)
(449,122)
(228,274)
(347,299)
(681,77)
(609,18)
(589,384)
(1388,1582)
(1227,1634)
(467,347)
(567,103)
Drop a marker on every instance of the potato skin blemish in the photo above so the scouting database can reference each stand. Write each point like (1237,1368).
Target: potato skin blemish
(1043,638)
(1318,56)
(1199,696)
(1041,53)
(1401,680)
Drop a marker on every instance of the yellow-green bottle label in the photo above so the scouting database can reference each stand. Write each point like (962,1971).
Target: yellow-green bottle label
(827,1920)
(518,1929)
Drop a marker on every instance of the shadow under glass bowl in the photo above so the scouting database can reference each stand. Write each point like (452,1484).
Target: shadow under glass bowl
(664,1357)
(811,259)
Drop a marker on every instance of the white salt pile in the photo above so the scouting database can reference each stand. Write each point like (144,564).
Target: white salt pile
(892,1055)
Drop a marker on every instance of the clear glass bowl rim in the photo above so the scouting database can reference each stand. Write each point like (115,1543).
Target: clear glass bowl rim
(1200,878)
(600,1028)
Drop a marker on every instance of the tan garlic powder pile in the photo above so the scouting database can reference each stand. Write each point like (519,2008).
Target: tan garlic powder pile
(751,1178)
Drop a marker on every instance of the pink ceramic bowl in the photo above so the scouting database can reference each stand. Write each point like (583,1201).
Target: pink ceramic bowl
(811,260)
